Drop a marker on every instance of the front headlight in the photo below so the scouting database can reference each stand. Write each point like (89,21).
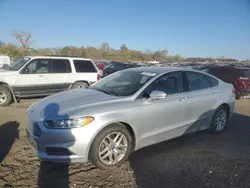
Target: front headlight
(69,123)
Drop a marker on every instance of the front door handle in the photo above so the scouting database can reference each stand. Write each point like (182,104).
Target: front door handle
(213,93)
(42,76)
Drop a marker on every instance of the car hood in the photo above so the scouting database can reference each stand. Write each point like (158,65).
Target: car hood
(4,71)
(62,105)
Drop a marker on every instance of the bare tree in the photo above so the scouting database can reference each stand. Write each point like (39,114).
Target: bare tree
(124,48)
(24,38)
(105,47)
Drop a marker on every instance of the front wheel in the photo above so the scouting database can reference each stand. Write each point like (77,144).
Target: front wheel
(111,147)
(5,96)
(220,120)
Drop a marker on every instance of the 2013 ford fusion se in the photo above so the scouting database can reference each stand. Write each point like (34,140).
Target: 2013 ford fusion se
(126,111)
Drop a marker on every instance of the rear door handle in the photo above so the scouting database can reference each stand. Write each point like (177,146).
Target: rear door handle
(213,93)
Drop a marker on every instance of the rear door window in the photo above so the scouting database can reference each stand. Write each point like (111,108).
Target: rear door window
(60,66)
(197,81)
(84,66)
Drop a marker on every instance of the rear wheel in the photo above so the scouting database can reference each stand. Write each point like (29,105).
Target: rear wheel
(237,97)
(79,85)
(5,96)
(220,120)
(111,147)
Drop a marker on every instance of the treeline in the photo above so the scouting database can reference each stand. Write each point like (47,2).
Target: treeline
(103,52)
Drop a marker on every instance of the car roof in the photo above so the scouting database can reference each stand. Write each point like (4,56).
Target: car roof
(161,70)
(56,57)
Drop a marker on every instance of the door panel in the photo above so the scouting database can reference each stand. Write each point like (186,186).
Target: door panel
(32,79)
(60,73)
(164,118)
(59,82)
(201,107)
(31,84)
(201,99)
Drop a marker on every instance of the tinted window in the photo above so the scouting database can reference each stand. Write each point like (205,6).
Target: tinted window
(84,66)
(216,71)
(213,81)
(111,65)
(169,83)
(221,71)
(60,66)
(197,81)
(120,65)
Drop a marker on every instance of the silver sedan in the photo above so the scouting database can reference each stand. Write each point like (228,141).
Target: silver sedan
(126,111)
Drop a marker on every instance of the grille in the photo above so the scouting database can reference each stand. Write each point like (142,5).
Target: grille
(36,130)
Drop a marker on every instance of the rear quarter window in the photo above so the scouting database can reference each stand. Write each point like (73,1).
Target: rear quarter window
(213,82)
(84,66)
(197,81)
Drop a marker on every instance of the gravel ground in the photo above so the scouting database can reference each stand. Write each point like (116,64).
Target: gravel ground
(196,160)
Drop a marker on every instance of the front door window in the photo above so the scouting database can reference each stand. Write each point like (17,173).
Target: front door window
(38,66)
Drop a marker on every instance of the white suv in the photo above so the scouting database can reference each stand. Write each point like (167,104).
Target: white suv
(33,76)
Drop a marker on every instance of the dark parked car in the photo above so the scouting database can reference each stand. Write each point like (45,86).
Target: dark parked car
(115,66)
(238,76)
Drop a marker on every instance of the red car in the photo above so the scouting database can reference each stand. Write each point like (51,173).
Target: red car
(238,76)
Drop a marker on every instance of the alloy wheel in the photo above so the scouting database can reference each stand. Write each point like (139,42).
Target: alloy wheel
(221,120)
(113,148)
(3,97)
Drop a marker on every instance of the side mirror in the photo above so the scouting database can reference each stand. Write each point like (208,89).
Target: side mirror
(25,71)
(156,95)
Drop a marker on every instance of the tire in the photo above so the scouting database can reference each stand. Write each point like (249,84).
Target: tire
(215,126)
(239,93)
(79,85)
(237,97)
(5,96)
(98,145)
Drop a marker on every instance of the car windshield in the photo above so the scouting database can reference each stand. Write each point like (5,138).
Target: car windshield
(123,83)
(18,64)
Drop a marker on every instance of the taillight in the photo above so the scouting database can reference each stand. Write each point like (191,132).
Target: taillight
(233,91)
(98,76)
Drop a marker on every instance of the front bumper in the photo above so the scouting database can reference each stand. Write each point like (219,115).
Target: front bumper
(73,144)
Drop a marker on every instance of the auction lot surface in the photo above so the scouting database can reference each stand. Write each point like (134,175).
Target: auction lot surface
(196,160)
